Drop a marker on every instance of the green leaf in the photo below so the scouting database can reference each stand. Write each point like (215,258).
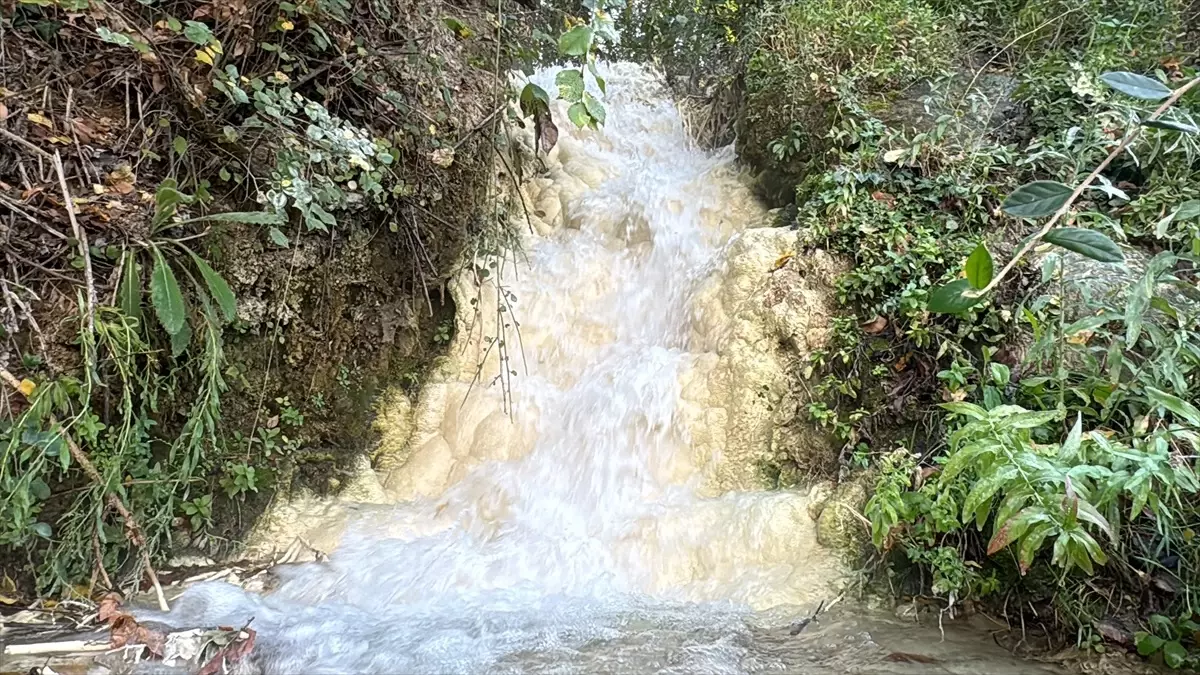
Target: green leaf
(576,41)
(42,530)
(1175,404)
(579,115)
(1188,210)
(1137,86)
(979,267)
(596,74)
(278,237)
(1170,125)
(165,294)
(594,107)
(1148,643)
(181,340)
(180,145)
(245,217)
(217,287)
(1174,654)
(1088,243)
(1037,199)
(967,409)
(954,297)
(534,99)
(129,294)
(166,198)
(197,32)
(984,489)
(570,85)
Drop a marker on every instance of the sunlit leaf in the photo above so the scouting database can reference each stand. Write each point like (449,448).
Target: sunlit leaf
(979,267)
(576,41)
(1137,86)
(570,85)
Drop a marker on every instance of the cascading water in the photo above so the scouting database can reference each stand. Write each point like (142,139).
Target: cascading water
(594,532)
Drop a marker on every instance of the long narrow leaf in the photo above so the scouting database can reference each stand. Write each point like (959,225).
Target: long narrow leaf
(165,294)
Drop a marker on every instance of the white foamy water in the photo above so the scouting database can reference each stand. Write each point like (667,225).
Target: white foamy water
(592,534)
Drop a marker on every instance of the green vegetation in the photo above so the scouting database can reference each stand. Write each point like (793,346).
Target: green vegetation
(207,196)
(1016,185)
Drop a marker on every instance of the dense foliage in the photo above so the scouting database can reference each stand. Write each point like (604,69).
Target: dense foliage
(1029,426)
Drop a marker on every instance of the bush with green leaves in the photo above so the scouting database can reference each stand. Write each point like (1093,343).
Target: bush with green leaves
(805,55)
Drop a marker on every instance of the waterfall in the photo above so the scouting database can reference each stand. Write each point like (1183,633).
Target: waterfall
(607,523)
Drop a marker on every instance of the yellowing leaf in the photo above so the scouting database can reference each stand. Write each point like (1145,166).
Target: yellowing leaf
(215,47)
(203,56)
(38,118)
(61,140)
(286,25)
(893,156)
(26,387)
(782,260)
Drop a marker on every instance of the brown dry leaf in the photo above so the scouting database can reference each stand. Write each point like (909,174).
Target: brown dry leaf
(86,132)
(3,111)
(61,140)
(874,326)
(122,179)
(901,363)
(157,82)
(884,197)
(1080,338)
(231,653)
(273,421)
(8,591)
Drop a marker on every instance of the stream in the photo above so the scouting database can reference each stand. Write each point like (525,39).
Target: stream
(604,526)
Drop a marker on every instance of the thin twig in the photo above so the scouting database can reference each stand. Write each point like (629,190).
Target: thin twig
(1079,190)
(25,144)
(81,238)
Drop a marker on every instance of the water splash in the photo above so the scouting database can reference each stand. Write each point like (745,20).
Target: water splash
(597,516)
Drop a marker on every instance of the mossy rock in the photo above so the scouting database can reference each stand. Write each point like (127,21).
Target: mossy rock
(839,525)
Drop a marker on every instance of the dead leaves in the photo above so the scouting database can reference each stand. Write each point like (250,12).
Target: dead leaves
(874,326)
(215,648)
(125,630)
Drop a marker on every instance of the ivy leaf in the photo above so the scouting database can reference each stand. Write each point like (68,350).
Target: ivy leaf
(217,287)
(278,237)
(533,99)
(197,32)
(594,107)
(579,116)
(1036,199)
(1137,86)
(570,85)
(1088,243)
(129,294)
(576,41)
(1170,125)
(953,297)
(979,267)
(165,294)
